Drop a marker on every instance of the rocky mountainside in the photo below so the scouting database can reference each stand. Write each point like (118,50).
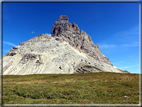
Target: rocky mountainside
(63,30)
(69,50)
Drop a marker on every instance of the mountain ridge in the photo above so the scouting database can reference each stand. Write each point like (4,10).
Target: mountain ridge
(63,30)
(67,51)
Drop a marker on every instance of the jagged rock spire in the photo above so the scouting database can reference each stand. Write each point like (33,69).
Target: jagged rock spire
(62,25)
(63,17)
(63,30)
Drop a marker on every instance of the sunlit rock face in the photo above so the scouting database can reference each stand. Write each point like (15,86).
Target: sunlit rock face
(67,51)
(63,30)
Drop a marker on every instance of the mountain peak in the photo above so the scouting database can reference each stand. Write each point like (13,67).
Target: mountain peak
(63,17)
(69,50)
(62,25)
(63,30)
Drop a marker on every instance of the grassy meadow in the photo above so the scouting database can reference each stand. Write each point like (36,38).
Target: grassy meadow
(86,88)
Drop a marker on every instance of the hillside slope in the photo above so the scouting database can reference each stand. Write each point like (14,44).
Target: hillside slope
(69,50)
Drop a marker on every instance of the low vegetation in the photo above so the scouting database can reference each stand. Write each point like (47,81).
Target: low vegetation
(87,88)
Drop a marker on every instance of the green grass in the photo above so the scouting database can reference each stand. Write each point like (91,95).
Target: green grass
(87,88)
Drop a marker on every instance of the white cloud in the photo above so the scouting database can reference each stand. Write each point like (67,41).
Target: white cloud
(115,66)
(122,45)
(131,45)
(129,66)
(136,42)
(131,56)
(48,34)
(128,34)
(33,32)
(6,50)
(107,46)
(122,37)
(9,43)
(118,62)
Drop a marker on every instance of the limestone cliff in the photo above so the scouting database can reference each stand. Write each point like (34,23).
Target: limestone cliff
(69,50)
(63,30)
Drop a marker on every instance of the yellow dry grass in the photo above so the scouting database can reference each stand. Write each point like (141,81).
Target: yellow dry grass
(45,81)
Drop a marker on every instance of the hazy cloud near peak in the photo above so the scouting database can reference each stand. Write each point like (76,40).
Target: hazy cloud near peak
(131,45)
(129,66)
(107,45)
(118,62)
(122,45)
(48,34)
(125,36)
(9,43)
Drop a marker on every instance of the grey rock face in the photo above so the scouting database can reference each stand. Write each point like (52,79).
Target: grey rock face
(86,68)
(68,51)
(63,30)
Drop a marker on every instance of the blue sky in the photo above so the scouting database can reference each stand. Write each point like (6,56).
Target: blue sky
(113,26)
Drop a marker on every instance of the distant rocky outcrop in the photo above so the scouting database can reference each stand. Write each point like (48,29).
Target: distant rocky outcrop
(67,51)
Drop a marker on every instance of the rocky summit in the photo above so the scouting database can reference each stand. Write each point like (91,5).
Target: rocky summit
(63,30)
(67,51)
